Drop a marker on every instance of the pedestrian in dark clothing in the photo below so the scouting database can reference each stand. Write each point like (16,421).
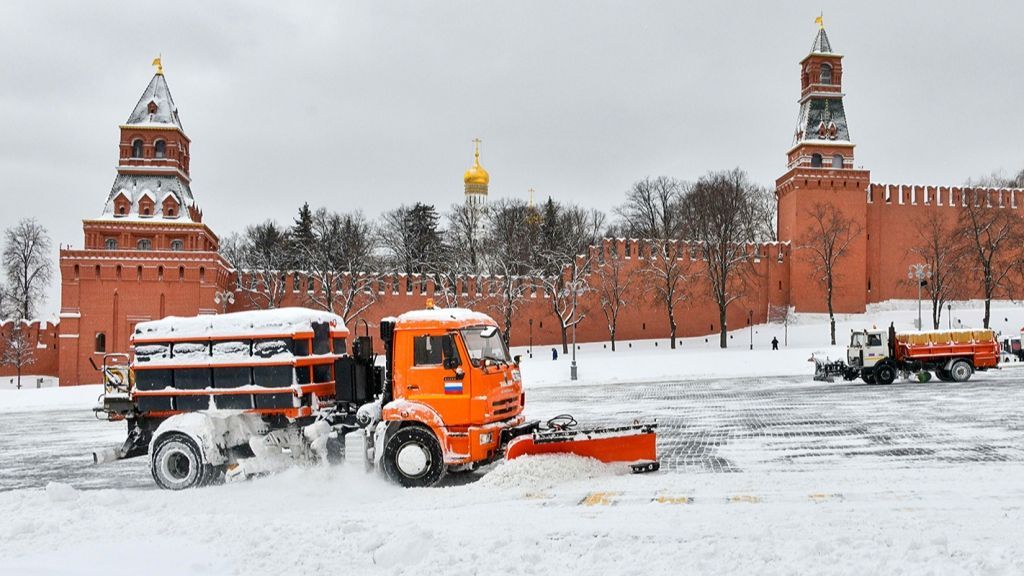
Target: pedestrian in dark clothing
(775,343)
(554,353)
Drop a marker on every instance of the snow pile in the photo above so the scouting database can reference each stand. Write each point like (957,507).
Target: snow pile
(532,473)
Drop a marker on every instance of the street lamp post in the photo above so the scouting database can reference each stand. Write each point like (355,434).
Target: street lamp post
(531,337)
(949,315)
(750,322)
(918,272)
(225,298)
(572,371)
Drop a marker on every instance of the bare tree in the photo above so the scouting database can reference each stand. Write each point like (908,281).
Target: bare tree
(667,274)
(993,235)
(4,302)
(763,216)
(17,350)
(651,210)
(466,235)
(717,215)
(27,265)
(613,286)
(567,264)
(261,258)
(828,238)
(939,248)
(784,315)
(513,229)
(340,260)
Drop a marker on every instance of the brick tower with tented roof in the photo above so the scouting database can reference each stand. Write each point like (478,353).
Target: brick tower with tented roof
(148,254)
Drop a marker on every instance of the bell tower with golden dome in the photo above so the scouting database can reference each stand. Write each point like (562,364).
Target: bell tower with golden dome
(476,179)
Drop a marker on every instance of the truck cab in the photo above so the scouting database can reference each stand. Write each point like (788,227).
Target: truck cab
(867,348)
(452,394)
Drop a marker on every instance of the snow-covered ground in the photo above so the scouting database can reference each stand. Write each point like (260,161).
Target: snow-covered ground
(701,357)
(765,472)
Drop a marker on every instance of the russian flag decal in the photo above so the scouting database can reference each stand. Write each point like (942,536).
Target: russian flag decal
(453,387)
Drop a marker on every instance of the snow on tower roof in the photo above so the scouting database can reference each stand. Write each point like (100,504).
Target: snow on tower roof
(821,44)
(133,187)
(156,107)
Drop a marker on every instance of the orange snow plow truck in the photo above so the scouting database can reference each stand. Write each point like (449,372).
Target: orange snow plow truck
(236,395)
(878,356)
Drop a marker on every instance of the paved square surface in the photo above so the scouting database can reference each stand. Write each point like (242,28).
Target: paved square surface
(705,426)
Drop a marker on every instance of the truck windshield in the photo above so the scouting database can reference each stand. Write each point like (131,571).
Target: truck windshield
(857,339)
(484,343)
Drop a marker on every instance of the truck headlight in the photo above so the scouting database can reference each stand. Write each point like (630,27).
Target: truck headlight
(485,438)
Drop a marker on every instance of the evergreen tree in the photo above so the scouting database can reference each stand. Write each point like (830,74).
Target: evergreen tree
(302,236)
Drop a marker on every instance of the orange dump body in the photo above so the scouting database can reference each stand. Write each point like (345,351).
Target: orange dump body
(979,345)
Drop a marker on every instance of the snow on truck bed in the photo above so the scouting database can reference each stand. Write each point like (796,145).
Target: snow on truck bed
(278,321)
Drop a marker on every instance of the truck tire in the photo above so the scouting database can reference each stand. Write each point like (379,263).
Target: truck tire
(867,376)
(885,374)
(943,375)
(961,371)
(413,458)
(177,463)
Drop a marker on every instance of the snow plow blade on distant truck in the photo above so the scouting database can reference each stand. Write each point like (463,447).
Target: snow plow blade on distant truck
(878,356)
(248,393)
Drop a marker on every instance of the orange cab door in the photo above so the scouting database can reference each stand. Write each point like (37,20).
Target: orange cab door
(436,375)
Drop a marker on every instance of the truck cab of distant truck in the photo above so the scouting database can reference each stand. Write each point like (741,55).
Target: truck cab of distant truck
(867,348)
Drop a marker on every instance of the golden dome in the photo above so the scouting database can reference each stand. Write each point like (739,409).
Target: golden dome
(476,173)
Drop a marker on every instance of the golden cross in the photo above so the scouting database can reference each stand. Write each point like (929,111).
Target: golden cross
(531,197)
(476,143)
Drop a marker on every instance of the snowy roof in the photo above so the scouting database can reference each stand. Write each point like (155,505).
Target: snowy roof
(822,111)
(134,187)
(242,324)
(821,44)
(166,112)
(444,317)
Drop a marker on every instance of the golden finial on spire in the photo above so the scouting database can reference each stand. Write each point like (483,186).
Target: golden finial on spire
(476,149)
(531,197)
(159,66)
(820,20)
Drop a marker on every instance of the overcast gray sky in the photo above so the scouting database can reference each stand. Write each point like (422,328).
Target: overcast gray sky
(372,104)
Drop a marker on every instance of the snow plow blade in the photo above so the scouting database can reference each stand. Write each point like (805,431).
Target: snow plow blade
(633,444)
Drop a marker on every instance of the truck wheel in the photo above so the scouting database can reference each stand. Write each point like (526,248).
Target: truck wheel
(177,463)
(413,458)
(885,374)
(961,371)
(867,376)
(943,375)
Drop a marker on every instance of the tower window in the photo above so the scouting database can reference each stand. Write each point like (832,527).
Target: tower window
(160,149)
(111,244)
(826,74)
(837,161)
(816,160)
(137,148)
(101,342)
(144,244)
(177,245)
